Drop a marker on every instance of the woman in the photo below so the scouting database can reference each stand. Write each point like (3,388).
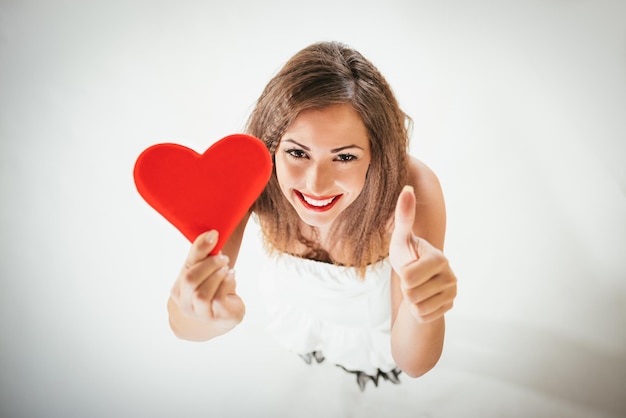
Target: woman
(356,226)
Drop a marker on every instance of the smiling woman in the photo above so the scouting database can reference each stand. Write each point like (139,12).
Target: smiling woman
(356,227)
(331,92)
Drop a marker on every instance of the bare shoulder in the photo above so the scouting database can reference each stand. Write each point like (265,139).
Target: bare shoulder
(430,210)
(421,174)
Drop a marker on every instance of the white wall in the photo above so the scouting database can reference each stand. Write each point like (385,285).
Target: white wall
(518,106)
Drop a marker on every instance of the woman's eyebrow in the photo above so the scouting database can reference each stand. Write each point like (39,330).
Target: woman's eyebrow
(298,144)
(344,148)
(333,151)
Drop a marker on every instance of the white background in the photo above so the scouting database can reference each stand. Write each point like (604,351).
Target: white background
(520,108)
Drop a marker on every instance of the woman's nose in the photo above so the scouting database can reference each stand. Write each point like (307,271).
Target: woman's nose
(319,179)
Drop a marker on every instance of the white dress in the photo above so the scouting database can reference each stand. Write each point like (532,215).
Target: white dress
(320,307)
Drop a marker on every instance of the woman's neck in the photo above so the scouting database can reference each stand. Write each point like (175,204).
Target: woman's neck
(319,243)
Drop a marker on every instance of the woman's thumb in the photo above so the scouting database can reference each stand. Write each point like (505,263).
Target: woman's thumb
(405,213)
(402,249)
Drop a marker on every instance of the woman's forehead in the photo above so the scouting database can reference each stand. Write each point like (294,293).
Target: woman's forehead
(331,127)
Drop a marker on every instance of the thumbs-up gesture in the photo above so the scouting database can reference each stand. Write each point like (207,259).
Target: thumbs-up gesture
(428,284)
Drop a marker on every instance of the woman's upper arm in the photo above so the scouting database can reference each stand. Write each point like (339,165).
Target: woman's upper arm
(430,209)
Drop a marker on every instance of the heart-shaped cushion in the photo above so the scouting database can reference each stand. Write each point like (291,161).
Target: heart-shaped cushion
(200,192)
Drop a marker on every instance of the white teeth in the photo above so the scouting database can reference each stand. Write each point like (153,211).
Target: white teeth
(317,203)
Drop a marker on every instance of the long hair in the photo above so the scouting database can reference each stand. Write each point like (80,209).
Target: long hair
(318,76)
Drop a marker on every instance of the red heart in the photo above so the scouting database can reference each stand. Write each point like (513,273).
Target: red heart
(199,192)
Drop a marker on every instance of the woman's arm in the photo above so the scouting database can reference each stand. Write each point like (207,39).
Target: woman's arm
(422,283)
(203,303)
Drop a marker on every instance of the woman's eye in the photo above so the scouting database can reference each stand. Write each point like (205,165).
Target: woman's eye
(296,153)
(344,158)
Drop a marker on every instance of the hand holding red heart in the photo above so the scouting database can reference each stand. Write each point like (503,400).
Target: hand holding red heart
(426,280)
(205,289)
(197,193)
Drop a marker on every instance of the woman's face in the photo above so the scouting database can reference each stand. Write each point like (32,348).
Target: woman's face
(322,161)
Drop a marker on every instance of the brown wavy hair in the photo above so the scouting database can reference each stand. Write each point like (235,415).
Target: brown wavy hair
(318,76)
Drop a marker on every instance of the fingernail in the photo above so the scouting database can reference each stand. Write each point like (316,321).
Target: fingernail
(224,258)
(408,188)
(211,237)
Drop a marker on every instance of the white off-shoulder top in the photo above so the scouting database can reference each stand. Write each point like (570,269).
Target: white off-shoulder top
(316,306)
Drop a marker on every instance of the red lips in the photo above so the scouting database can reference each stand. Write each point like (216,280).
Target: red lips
(321,206)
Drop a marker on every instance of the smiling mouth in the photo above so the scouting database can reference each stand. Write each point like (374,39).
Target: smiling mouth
(318,204)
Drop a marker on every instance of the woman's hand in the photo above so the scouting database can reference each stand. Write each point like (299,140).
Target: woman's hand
(204,290)
(428,284)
